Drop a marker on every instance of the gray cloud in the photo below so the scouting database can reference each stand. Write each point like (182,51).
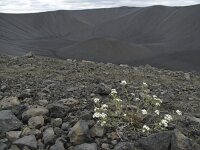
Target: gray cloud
(24,6)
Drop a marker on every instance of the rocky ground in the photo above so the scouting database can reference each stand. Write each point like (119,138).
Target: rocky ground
(47,104)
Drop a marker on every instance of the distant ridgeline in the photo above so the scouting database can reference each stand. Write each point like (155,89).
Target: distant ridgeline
(161,36)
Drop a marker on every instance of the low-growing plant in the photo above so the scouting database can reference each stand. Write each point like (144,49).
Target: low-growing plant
(138,111)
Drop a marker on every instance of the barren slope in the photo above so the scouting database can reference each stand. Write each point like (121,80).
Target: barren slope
(167,36)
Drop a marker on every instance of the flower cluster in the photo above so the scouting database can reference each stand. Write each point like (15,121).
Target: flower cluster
(104,107)
(145,84)
(157,100)
(145,128)
(117,99)
(157,104)
(164,122)
(137,99)
(103,123)
(113,92)
(96,100)
(133,110)
(168,117)
(100,112)
(179,112)
(144,111)
(99,115)
(132,94)
(123,83)
(157,112)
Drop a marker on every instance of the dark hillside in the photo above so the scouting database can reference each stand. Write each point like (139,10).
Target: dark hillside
(156,35)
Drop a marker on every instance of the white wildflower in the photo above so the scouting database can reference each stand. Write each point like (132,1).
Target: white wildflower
(157,104)
(163,123)
(137,99)
(145,128)
(125,115)
(132,94)
(103,115)
(104,107)
(123,83)
(157,112)
(179,112)
(96,115)
(103,123)
(113,91)
(145,84)
(117,99)
(96,100)
(154,96)
(158,99)
(168,117)
(144,111)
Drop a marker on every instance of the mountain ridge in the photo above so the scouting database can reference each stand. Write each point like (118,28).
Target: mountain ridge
(162,31)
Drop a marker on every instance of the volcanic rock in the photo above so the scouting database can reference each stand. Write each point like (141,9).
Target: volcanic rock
(36,122)
(103,89)
(3,88)
(97,131)
(48,136)
(14,147)
(196,146)
(157,141)
(57,122)
(13,135)
(8,102)
(125,146)
(29,141)
(3,146)
(79,132)
(8,121)
(65,126)
(33,112)
(43,102)
(28,131)
(57,110)
(92,146)
(180,141)
(105,146)
(57,146)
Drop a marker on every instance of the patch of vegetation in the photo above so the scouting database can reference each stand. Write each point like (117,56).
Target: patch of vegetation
(139,111)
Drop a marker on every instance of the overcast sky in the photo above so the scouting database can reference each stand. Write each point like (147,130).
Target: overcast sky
(25,6)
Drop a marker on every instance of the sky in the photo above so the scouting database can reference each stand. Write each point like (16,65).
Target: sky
(28,6)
